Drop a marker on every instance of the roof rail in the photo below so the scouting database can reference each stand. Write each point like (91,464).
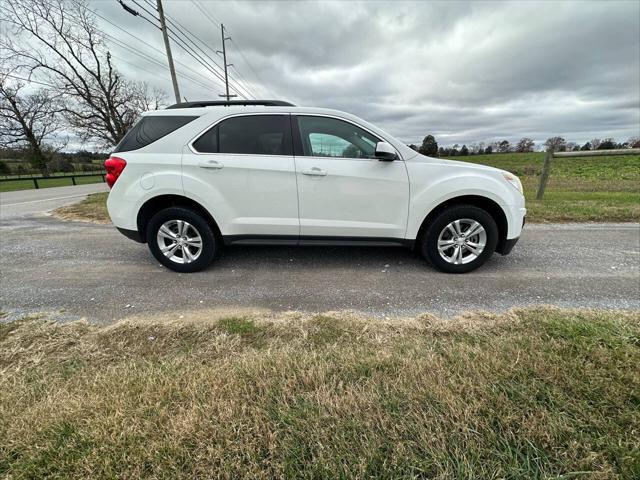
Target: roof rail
(232,103)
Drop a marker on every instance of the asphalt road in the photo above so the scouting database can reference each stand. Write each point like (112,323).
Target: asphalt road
(85,270)
(22,203)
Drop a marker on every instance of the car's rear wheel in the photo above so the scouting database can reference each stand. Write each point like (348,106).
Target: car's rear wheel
(460,239)
(181,240)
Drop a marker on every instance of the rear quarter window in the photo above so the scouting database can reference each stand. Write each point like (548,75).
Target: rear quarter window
(149,129)
(248,135)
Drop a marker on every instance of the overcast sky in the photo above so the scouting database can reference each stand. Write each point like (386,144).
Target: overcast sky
(463,71)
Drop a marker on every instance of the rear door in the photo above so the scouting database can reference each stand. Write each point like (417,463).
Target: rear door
(243,169)
(342,190)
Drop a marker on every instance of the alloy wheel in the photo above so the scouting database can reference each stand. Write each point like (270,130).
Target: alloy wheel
(462,241)
(179,241)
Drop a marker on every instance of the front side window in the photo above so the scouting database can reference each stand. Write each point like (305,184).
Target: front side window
(330,137)
(250,134)
(149,129)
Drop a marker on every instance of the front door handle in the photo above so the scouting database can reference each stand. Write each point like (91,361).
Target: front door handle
(214,164)
(315,171)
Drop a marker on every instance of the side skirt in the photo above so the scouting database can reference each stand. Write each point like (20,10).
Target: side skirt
(316,241)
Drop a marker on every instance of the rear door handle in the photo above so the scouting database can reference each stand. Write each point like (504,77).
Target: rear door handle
(315,171)
(214,164)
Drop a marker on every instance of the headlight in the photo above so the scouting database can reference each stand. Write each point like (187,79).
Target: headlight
(513,180)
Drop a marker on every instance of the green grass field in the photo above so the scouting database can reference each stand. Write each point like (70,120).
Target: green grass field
(596,189)
(27,184)
(531,394)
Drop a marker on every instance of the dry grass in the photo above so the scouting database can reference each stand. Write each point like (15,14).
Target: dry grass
(536,393)
(91,209)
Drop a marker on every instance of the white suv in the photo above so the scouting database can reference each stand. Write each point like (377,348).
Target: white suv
(199,175)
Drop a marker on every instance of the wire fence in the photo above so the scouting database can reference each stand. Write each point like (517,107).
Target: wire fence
(39,179)
(550,155)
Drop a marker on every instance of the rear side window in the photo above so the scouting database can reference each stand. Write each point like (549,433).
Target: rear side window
(149,129)
(250,135)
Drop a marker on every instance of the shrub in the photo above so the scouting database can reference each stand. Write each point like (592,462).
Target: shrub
(4,168)
(60,165)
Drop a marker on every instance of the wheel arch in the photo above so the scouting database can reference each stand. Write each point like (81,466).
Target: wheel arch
(487,204)
(160,202)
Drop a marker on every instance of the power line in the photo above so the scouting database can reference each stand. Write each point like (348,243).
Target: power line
(148,45)
(28,80)
(237,80)
(181,43)
(207,14)
(154,61)
(140,54)
(136,13)
(202,62)
(160,63)
(141,41)
(217,22)
(260,81)
(185,32)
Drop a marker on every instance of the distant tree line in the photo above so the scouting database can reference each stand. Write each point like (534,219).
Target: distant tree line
(430,146)
(12,162)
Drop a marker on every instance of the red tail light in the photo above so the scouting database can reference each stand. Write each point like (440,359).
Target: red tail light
(114,167)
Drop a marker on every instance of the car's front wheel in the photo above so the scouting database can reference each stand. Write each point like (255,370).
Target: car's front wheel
(460,239)
(181,240)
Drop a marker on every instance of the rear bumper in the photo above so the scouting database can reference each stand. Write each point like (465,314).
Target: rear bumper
(131,234)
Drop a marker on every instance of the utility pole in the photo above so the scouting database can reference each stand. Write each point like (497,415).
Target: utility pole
(172,69)
(224,57)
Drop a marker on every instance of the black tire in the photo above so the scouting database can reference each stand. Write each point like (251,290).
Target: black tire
(428,243)
(210,244)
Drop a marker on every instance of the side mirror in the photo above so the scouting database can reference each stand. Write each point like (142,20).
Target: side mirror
(385,152)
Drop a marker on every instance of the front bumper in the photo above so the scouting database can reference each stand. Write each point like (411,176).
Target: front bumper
(507,246)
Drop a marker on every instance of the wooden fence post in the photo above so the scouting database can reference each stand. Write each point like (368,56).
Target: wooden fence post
(544,177)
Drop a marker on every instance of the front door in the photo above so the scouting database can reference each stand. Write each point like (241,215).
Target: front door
(342,190)
(243,171)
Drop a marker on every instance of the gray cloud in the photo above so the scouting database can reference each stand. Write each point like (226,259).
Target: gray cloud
(465,71)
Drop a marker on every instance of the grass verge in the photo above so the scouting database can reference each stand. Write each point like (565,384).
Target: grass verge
(91,209)
(534,393)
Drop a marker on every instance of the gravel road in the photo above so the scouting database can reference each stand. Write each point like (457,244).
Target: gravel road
(86,270)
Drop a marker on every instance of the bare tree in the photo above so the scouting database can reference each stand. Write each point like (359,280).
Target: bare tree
(595,143)
(58,40)
(634,142)
(525,145)
(556,144)
(30,122)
